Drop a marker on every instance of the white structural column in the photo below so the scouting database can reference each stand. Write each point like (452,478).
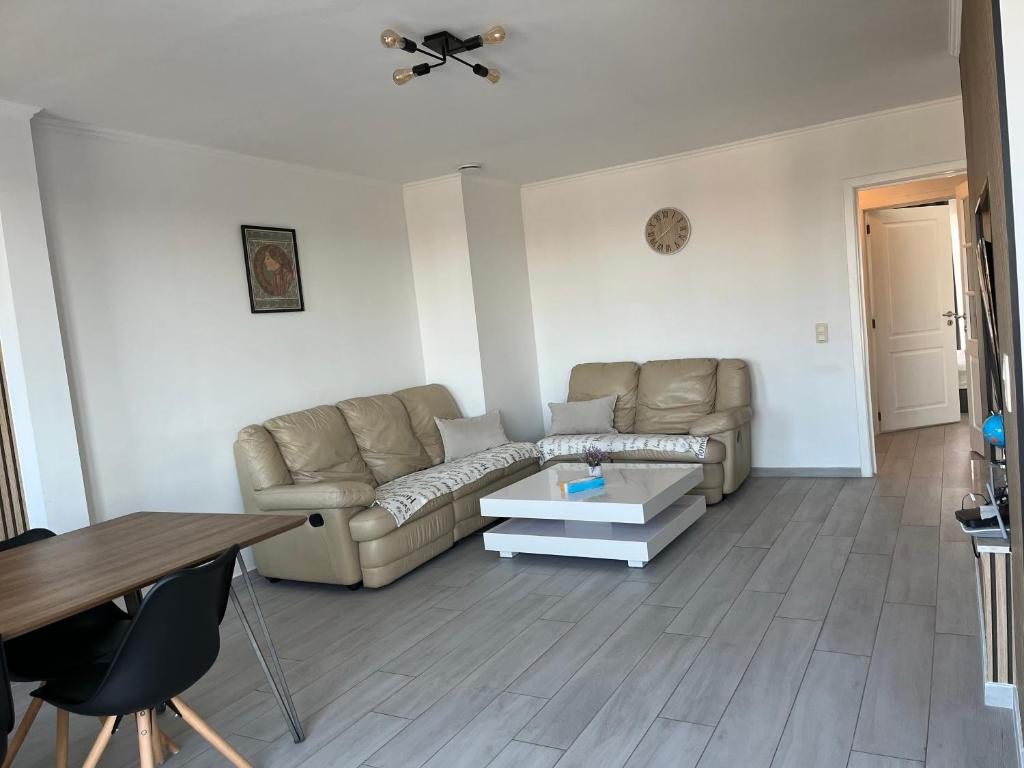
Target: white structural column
(30,333)
(473,295)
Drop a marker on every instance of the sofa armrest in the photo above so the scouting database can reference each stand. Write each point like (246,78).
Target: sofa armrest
(721,421)
(326,495)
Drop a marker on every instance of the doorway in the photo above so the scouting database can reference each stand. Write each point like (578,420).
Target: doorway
(922,346)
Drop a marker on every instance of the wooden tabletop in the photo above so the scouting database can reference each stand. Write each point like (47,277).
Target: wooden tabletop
(55,578)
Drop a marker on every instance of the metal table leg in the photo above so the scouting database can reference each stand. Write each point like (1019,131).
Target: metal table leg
(278,682)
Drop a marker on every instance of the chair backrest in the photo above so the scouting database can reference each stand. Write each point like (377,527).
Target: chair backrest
(6,704)
(172,642)
(30,536)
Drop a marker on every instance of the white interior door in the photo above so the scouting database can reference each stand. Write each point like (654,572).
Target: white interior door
(969,281)
(910,255)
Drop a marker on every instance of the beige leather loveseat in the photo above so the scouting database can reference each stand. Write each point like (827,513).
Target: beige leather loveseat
(328,463)
(702,397)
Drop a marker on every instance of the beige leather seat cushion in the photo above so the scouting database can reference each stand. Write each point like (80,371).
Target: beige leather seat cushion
(589,381)
(317,445)
(424,404)
(672,394)
(384,434)
(375,522)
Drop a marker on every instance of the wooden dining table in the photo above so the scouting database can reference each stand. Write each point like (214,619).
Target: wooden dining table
(49,580)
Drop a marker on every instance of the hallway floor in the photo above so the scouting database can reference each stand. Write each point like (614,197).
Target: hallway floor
(811,623)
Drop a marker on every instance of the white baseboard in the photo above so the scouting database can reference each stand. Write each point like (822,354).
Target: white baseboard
(1000,695)
(1017,736)
(805,472)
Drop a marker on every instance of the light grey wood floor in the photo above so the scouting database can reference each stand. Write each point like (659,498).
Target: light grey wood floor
(802,622)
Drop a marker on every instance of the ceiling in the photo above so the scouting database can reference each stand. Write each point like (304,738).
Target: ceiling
(586,83)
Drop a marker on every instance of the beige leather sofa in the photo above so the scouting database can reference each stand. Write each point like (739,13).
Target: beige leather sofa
(326,463)
(699,396)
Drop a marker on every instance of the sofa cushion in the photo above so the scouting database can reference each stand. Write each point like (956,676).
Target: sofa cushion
(582,417)
(589,381)
(465,437)
(405,496)
(317,445)
(640,447)
(423,405)
(672,394)
(375,522)
(384,435)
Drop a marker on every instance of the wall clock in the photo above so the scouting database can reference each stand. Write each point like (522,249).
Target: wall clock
(668,230)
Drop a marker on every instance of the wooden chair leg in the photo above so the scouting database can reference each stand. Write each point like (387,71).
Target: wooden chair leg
(102,739)
(22,731)
(170,745)
(145,738)
(158,742)
(203,728)
(63,727)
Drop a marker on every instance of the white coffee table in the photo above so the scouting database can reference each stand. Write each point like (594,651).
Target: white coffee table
(638,513)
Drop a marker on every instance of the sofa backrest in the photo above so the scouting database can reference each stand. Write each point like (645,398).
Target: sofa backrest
(589,381)
(663,396)
(383,431)
(675,393)
(424,404)
(316,445)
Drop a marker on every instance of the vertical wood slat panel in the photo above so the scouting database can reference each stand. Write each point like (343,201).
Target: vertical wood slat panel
(996,604)
(13,519)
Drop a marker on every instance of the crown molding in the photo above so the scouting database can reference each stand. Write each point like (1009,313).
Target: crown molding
(15,109)
(434,181)
(752,142)
(74,127)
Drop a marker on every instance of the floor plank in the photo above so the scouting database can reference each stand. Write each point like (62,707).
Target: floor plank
(811,593)
(878,529)
(670,744)
(749,731)
(914,575)
(852,618)
(616,730)
(705,691)
(957,609)
(820,728)
(716,595)
(894,715)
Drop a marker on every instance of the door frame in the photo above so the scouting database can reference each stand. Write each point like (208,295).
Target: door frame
(858,292)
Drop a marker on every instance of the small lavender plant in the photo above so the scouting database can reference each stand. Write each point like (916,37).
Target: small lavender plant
(593,456)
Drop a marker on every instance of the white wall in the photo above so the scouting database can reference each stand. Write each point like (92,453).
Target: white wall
(504,316)
(167,362)
(31,341)
(767,260)
(439,249)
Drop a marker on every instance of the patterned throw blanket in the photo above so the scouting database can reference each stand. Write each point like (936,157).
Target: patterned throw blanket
(573,445)
(403,497)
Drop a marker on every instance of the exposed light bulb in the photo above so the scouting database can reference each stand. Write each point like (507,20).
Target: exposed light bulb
(402,76)
(494,35)
(493,75)
(391,39)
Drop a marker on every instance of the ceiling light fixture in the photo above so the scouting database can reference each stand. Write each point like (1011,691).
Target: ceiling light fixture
(442,46)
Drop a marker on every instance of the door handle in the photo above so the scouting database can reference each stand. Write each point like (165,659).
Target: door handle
(951,313)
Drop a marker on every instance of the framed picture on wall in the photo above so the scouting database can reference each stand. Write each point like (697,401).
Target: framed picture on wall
(272,269)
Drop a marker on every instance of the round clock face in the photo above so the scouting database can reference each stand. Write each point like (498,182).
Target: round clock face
(667,231)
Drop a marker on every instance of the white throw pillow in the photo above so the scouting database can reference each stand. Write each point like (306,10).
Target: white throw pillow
(464,437)
(583,417)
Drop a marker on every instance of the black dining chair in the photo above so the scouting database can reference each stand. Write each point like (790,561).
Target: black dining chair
(169,645)
(57,649)
(6,705)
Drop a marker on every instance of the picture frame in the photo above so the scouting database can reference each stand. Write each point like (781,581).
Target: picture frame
(271,256)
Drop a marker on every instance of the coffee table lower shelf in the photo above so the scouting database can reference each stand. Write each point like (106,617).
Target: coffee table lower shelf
(636,543)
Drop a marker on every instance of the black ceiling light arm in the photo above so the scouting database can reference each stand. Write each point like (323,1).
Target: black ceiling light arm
(442,46)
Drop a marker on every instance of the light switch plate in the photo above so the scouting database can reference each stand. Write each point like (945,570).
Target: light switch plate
(821,333)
